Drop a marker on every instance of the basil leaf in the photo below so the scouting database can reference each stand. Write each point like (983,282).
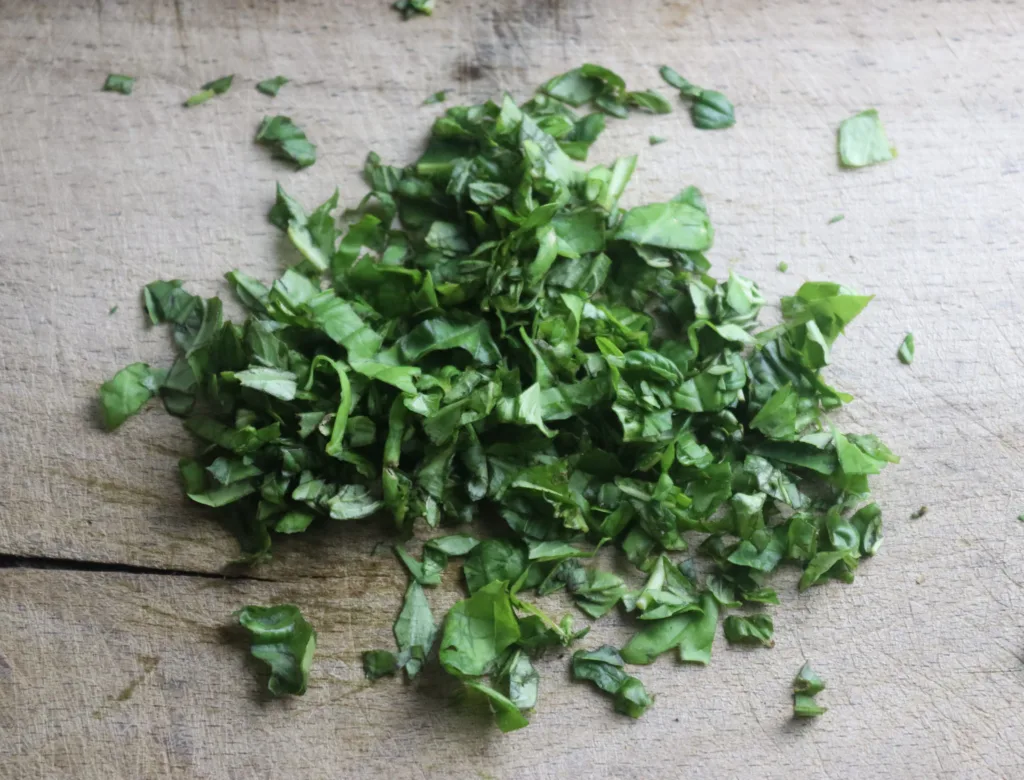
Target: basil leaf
(750,630)
(282,639)
(410,8)
(805,687)
(272,381)
(603,667)
(493,559)
(862,141)
(478,630)
(698,635)
(667,225)
(117,83)
(906,351)
(415,629)
(712,111)
(286,140)
(209,90)
(379,663)
(127,393)
(506,714)
(271,86)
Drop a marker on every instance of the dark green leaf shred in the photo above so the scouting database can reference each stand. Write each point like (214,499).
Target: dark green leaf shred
(282,639)
(117,83)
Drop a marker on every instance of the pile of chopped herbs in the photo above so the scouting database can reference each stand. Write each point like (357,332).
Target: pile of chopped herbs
(493,353)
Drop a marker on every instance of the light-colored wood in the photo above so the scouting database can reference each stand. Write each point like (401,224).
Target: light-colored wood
(128,676)
(101,193)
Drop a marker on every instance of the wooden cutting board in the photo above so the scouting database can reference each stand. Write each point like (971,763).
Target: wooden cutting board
(116,660)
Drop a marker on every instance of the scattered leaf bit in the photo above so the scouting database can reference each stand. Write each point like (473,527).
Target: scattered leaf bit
(806,686)
(283,639)
(783,266)
(272,86)
(438,97)
(286,140)
(410,8)
(837,218)
(862,141)
(117,83)
(654,140)
(604,668)
(750,630)
(605,89)
(919,513)
(906,351)
(209,90)
(113,310)
(709,110)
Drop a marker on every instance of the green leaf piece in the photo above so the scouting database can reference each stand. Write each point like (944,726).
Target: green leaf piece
(604,668)
(271,86)
(906,351)
(712,110)
(806,686)
(127,393)
(379,663)
(286,140)
(118,83)
(750,630)
(209,90)
(862,141)
(283,640)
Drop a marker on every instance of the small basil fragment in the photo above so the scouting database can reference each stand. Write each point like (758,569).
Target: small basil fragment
(118,83)
(209,90)
(712,110)
(604,668)
(282,639)
(709,109)
(379,663)
(438,97)
(410,8)
(750,630)
(286,140)
(906,351)
(271,86)
(806,686)
(127,393)
(862,141)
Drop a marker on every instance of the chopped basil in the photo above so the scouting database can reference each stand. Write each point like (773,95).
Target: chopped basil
(286,140)
(209,90)
(118,83)
(409,8)
(806,686)
(906,351)
(490,333)
(282,639)
(272,86)
(862,141)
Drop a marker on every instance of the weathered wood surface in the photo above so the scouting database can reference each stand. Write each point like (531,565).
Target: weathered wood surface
(106,675)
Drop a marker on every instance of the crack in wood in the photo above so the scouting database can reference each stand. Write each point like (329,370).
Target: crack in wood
(66,564)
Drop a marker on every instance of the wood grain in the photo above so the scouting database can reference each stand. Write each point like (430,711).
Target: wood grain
(102,193)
